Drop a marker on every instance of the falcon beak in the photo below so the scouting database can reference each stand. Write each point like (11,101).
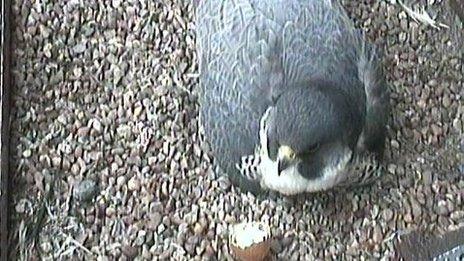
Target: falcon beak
(282,164)
(285,158)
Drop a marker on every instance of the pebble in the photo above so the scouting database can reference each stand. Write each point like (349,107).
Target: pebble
(56,162)
(155,219)
(83,131)
(387,214)
(86,190)
(427,177)
(97,126)
(110,211)
(138,111)
(140,239)
(133,184)
(130,251)
(21,206)
(442,208)
(377,234)
(395,144)
(416,208)
(27,153)
(408,218)
(79,48)
(457,215)
(120,181)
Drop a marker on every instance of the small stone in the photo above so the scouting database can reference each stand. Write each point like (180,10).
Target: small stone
(166,221)
(86,190)
(75,169)
(446,101)
(146,255)
(117,73)
(117,151)
(48,50)
(78,152)
(209,252)
(79,48)
(416,208)
(391,168)
(120,181)
(289,219)
(133,184)
(377,234)
(130,251)
(443,221)
(286,241)
(21,206)
(77,72)
(276,246)
(140,239)
(65,148)
(83,131)
(436,130)
(155,220)
(198,229)
(224,183)
(116,3)
(387,214)
(56,161)
(161,228)
(66,164)
(395,144)
(137,111)
(457,215)
(97,126)
(408,218)
(189,248)
(27,153)
(442,208)
(427,177)
(46,247)
(152,161)
(110,211)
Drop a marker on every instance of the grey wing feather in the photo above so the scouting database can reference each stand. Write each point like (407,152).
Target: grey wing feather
(371,73)
(231,93)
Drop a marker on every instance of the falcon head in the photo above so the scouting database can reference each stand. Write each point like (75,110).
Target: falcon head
(309,135)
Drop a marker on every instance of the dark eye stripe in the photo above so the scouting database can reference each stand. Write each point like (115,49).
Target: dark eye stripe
(272,148)
(314,147)
(311,150)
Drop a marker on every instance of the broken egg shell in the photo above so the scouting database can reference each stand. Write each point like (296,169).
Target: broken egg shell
(250,241)
(255,252)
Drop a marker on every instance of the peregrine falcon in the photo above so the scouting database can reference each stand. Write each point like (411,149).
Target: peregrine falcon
(292,98)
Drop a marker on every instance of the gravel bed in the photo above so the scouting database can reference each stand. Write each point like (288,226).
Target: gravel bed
(109,162)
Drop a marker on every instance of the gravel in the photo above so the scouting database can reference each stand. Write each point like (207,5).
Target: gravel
(105,105)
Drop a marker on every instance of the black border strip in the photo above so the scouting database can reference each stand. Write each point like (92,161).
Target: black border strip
(5,126)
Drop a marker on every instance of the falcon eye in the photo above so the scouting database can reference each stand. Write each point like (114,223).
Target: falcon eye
(291,155)
(313,148)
